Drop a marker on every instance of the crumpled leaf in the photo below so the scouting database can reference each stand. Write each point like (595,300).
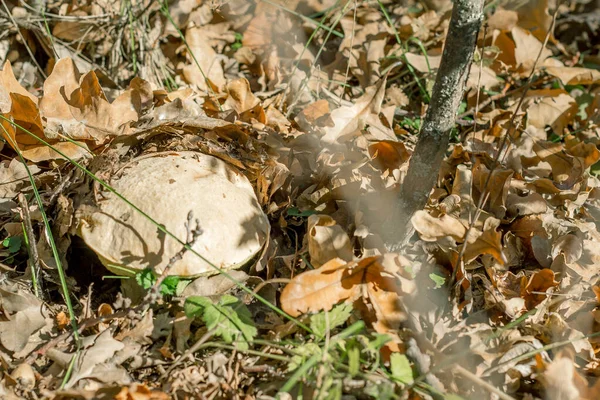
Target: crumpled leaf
(14,177)
(350,120)
(388,155)
(78,108)
(431,228)
(95,357)
(552,108)
(327,240)
(575,75)
(519,49)
(240,96)
(25,314)
(202,60)
(490,242)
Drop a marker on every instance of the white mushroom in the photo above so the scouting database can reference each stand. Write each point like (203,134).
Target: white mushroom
(167,186)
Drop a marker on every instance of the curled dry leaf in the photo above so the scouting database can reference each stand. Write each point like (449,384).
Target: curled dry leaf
(571,246)
(552,108)
(566,169)
(77,107)
(327,240)
(519,49)
(489,242)
(202,61)
(388,155)
(240,97)
(350,120)
(8,85)
(533,289)
(496,189)
(314,115)
(431,228)
(533,203)
(574,75)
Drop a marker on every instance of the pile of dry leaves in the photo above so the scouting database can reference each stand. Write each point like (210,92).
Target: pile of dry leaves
(317,104)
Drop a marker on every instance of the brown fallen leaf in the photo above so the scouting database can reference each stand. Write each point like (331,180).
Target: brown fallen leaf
(350,120)
(388,155)
(322,288)
(327,240)
(490,242)
(337,281)
(431,228)
(575,75)
(240,97)
(77,107)
(203,68)
(533,289)
(553,108)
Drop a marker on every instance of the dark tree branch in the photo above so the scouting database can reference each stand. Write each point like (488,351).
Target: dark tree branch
(448,91)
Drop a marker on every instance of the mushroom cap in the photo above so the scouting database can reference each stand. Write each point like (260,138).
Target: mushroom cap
(167,186)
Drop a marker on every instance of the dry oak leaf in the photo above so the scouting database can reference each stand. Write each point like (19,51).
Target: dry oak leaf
(138,391)
(533,16)
(322,288)
(552,107)
(519,49)
(203,62)
(587,152)
(431,228)
(422,63)
(350,120)
(496,188)
(533,289)
(327,240)
(388,155)
(566,169)
(8,85)
(490,242)
(314,114)
(77,107)
(240,96)
(338,281)
(575,75)
(27,132)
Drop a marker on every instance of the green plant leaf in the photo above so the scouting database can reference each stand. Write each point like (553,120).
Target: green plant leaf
(169,285)
(337,316)
(295,212)
(438,280)
(229,318)
(353,352)
(145,278)
(303,353)
(12,243)
(400,368)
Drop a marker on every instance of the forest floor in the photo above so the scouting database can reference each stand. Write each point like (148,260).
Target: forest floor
(191,194)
